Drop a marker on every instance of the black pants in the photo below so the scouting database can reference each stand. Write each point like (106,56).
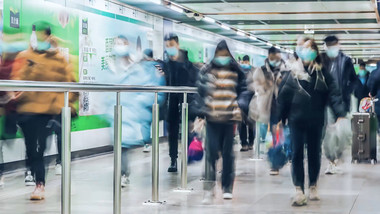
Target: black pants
(55,125)
(220,139)
(309,133)
(173,122)
(35,134)
(251,133)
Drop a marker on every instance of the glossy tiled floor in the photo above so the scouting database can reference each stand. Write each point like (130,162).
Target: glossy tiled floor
(355,191)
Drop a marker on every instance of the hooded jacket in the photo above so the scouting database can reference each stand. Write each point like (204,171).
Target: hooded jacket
(362,90)
(264,82)
(219,88)
(306,100)
(48,66)
(344,69)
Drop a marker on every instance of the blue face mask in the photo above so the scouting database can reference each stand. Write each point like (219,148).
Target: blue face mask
(246,66)
(43,46)
(222,60)
(172,51)
(332,51)
(274,63)
(308,55)
(299,50)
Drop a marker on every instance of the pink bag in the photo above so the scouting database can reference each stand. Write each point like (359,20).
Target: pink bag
(195,152)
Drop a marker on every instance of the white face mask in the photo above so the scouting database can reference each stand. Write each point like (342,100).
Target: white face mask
(332,51)
(121,50)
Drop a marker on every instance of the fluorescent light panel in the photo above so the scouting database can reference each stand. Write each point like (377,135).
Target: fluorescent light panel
(208,19)
(225,27)
(240,33)
(156,1)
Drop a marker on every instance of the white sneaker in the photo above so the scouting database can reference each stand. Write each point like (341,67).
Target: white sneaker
(208,197)
(38,193)
(124,181)
(274,172)
(331,169)
(147,148)
(1,181)
(58,169)
(313,193)
(29,179)
(300,198)
(227,196)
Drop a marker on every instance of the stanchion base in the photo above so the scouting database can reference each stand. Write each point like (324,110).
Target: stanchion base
(187,190)
(154,203)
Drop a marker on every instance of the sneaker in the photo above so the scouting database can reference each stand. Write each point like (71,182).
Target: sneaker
(58,169)
(39,192)
(208,197)
(147,148)
(1,181)
(331,169)
(227,196)
(250,147)
(124,181)
(313,193)
(173,166)
(274,172)
(29,179)
(300,198)
(244,149)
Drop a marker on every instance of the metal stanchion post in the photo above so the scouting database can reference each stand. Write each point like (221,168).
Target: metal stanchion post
(66,157)
(184,140)
(257,143)
(117,156)
(155,154)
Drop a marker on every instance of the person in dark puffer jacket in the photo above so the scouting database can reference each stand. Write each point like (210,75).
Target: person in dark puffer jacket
(220,84)
(302,102)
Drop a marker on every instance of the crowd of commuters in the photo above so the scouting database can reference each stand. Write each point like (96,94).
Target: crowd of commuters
(302,92)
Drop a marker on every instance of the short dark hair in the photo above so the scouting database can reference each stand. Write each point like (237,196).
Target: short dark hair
(273,50)
(331,40)
(171,36)
(148,52)
(122,37)
(246,58)
(362,64)
(42,26)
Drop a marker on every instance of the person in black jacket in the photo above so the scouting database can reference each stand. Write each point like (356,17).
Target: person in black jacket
(179,71)
(247,124)
(362,89)
(220,84)
(374,86)
(302,102)
(343,72)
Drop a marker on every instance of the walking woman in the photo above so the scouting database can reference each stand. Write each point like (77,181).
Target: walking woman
(220,84)
(302,101)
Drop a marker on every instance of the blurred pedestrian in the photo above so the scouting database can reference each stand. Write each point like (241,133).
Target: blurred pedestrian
(220,84)
(342,70)
(361,88)
(40,63)
(264,82)
(302,103)
(179,71)
(247,127)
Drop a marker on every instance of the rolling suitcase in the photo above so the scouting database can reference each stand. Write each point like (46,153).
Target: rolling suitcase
(364,142)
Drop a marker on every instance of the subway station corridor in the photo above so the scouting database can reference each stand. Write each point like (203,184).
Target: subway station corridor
(354,191)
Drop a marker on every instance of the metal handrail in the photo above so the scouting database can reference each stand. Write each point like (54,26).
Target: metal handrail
(67,88)
(16,85)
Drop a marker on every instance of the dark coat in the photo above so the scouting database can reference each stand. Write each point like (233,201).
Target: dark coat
(208,86)
(180,73)
(346,75)
(362,90)
(374,85)
(304,101)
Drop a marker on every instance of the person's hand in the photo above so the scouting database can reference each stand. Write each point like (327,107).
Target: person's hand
(16,95)
(340,118)
(370,95)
